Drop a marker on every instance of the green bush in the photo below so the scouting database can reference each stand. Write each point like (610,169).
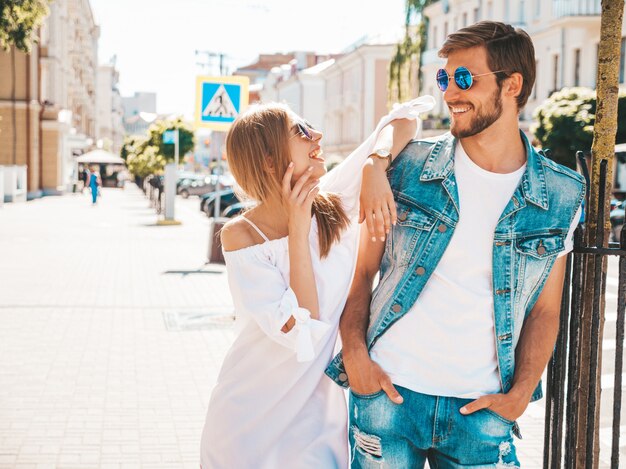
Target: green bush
(149,161)
(564,123)
(185,138)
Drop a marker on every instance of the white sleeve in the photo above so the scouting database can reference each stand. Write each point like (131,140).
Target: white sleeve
(261,293)
(345,178)
(569,240)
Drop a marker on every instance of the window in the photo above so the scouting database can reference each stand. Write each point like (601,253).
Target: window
(538,8)
(464,19)
(445,30)
(434,38)
(622,52)
(577,65)
(522,7)
(490,10)
(476,14)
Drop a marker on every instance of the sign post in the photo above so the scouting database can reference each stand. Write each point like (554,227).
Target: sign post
(219,100)
(171,179)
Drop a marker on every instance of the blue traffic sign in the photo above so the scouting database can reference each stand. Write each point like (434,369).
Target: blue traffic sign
(219,100)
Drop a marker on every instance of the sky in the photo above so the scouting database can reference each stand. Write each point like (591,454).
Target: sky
(154,41)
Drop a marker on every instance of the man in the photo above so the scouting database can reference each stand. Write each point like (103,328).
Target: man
(462,323)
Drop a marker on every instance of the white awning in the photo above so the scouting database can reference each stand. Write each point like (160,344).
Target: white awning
(101,157)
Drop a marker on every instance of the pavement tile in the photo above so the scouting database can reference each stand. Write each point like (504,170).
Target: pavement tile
(92,375)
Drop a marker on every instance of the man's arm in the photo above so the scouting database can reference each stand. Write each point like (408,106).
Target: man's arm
(534,349)
(364,375)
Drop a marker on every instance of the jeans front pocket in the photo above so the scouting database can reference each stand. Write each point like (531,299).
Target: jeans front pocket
(372,395)
(500,417)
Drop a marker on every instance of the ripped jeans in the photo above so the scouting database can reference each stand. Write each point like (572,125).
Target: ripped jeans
(423,427)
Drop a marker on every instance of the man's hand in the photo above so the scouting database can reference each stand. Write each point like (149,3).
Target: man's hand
(377,206)
(367,377)
(510,406)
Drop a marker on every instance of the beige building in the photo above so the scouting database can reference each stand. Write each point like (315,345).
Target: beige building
(48,99)
(303,90)
(110,116)
(139,112)
(565,33)
(20,114)
(344,96)
(355,96)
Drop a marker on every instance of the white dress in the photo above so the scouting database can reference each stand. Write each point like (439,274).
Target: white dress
(273,406)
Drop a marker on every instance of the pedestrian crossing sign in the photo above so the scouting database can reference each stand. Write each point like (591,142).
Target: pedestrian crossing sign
(219,100)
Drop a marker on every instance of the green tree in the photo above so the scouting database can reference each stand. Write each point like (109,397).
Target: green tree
(133,145)
(19,20)
(564,123)
(148,162)
(186,140)
(406,63)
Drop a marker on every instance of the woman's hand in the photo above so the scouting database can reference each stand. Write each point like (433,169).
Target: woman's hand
(377,206)
(299,199)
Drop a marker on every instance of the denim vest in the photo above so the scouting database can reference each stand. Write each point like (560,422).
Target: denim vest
(528,237)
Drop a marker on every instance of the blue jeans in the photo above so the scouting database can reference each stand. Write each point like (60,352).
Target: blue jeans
(423,427)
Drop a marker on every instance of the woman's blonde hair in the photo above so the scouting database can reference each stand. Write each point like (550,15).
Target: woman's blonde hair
(263,132)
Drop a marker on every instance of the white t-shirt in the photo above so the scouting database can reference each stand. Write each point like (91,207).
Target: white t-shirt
(445,344)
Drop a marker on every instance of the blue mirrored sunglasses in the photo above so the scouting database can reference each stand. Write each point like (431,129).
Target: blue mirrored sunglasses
(463,78)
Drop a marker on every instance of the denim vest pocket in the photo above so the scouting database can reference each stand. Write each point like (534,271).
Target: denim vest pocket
(411,228)
(540,246)
(536,254)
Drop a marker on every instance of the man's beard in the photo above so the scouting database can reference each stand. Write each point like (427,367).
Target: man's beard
(482,120)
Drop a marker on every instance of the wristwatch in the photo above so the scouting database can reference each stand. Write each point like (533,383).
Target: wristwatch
(382,155)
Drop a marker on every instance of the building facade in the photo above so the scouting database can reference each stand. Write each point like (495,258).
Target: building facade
(110,116)
(48,100)
(355,96)
(139,112)
(303,90)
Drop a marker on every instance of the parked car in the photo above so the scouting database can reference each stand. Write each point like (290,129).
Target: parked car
(617,218)
(207,201)
(235,209)
(192,186)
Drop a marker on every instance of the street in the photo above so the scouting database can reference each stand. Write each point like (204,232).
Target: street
(112,332)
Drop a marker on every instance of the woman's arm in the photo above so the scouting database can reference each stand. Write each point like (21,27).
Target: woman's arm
(377,206)
(299,200)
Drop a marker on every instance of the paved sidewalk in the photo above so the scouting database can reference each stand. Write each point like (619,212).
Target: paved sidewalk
(112,333)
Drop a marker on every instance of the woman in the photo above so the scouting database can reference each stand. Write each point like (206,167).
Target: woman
(289,275)
(94,184)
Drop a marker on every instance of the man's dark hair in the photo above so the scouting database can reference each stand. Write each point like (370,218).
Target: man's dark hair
(508,49)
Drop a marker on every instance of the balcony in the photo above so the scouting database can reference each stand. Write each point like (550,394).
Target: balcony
(563,8)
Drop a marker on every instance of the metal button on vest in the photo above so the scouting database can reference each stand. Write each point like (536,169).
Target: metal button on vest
(541,250)
(343,377)
(442,228)
(396,308)
(402,216)
(420,271)
(515,202)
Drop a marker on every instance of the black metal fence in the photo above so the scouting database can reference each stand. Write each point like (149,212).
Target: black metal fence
(564,368)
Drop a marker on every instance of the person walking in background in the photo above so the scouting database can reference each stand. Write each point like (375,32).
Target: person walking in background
(446,353)
(94,184)
(290,261)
